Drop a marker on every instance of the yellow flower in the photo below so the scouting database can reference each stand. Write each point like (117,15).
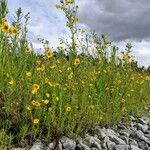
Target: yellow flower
(28,49)
(68,109)
(11,82)
(92,107)
(57,98)
(50,109)
(35,103)
(141,82)
(126,57)
(65,89)
(90,85)
(147,78)
(82,82)
(36,121)
(49,53)
(45,101)
(70,76)
(47,95)
(29,74)
(28,108)
(68,1)
(40,69)
(58,61)
(38,62)
(123,101)
(57,6)
(107,89)
(50,84)
(132,78)
(5,27)
(52,67)
(13,30)
(56,84)
(77,61)
(69,69)
(35,88)
(101,118)
(7,75)
(77,19)
(124,109)
(46,80)
(10,30)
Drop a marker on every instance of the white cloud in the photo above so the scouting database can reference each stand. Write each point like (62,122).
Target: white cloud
(46,21)
(140,49)
(49,23)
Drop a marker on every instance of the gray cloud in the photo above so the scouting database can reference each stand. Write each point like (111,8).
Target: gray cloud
(123,20)
(120,19)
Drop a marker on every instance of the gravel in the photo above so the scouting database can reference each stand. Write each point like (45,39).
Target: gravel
(134,137)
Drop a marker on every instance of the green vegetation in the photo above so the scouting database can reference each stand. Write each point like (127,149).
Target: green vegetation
(47,96)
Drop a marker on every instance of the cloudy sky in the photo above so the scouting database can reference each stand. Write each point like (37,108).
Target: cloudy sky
(122,20)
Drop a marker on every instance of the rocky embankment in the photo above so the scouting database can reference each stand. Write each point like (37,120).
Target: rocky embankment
(134,137)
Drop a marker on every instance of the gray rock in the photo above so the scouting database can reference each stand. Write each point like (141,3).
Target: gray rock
(101,133)
(143,145)
(111,132)
(93,148)
(79,140)
(141,136)
(91,141)
(133,142)
(110,145)
(60,146)
(147,135)
(67,143)
(121,126)
(125,139)
(132,118)
(135,137)
(125,132)
(116,140)
(122,147)
(144,120)
(133,124)
(104,143)
(145,139)
(133,147)
(137,134)
(82,146)
(18,149)
(143,128)
(51,146)
(37,146)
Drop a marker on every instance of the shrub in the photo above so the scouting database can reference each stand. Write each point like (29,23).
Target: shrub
(64,92)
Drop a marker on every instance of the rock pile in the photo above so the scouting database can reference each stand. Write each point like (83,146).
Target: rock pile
(134,137)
